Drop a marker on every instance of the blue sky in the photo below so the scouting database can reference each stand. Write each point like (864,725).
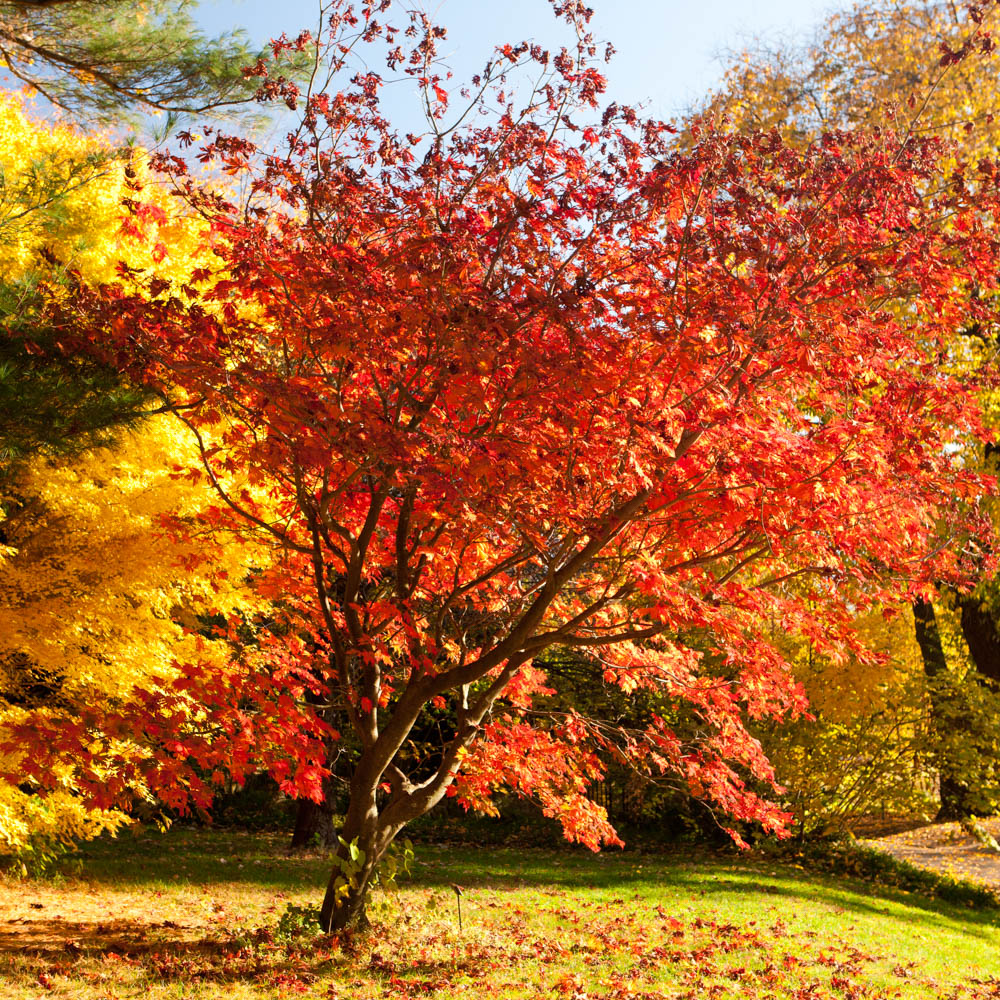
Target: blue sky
(667,49)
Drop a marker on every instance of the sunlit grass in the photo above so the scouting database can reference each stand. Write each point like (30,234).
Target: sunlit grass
(193,913)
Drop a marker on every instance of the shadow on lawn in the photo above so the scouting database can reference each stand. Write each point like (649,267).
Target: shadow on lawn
(34,951)
(145,952)
(859,898)
(88,938)
(705,874)
(184,856)
(197,856)
(258,961)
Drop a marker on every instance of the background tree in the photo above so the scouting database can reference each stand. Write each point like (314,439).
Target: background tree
(63,209)
(96,601)
(95,598)
(863,750)
(882,60)
(901,65)
(98,60)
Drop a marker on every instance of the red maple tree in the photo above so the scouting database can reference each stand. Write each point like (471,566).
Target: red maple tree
(536,380)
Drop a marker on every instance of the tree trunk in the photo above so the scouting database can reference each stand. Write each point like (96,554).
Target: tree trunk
(946,711)
(314,825)
(366,834)
(360,849)
(981,636)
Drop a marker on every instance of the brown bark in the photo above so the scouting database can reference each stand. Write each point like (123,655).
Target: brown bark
(314,824)
(344,902)
(373,831)
(946,713)
(979,628)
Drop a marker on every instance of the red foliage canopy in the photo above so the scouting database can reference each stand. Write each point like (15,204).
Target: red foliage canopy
(539,380)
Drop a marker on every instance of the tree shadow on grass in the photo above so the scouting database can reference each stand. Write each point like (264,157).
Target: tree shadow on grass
(861,898)
(185,856)
(159,951)
(227,857)
(706,874)
(45,936)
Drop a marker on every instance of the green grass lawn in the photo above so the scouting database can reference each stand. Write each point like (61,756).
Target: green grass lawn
(195,914)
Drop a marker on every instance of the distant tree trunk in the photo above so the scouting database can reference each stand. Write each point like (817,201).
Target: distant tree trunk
(979,628)
(314,826)
(946,712)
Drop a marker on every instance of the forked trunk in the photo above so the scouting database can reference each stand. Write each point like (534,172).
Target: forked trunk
(366,834)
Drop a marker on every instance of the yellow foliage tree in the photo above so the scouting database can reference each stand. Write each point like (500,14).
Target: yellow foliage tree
(64,193)
(70,202)
(864,748)
(94,601)
(878,63)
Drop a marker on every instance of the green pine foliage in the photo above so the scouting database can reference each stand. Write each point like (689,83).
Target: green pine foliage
(53,404)
(100,58)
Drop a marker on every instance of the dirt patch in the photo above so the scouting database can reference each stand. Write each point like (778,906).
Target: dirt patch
(947,848)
